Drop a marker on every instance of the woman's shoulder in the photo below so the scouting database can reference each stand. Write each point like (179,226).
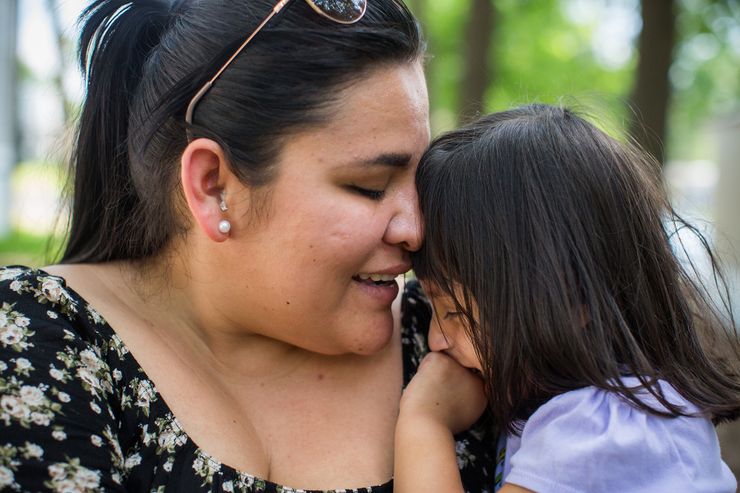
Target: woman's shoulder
(596,440)
(57,387)
(31,296)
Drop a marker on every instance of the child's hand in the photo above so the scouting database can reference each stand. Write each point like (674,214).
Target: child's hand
(445,393)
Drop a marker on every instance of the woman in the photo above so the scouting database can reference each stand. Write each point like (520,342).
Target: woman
(222,316)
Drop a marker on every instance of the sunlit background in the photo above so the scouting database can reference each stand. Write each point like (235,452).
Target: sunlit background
(682,103)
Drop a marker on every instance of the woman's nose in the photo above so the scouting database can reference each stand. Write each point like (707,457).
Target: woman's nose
(405,227)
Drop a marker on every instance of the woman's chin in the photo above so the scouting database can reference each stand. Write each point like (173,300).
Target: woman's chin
(374,339)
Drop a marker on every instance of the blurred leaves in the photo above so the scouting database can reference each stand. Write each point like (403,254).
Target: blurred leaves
(585,50)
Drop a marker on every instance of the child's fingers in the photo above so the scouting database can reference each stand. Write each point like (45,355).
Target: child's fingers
(445,392)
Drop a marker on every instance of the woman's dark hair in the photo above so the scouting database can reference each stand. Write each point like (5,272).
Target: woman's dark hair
(560,237)
(145,59)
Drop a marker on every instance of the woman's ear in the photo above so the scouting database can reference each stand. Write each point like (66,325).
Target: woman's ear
(205,176)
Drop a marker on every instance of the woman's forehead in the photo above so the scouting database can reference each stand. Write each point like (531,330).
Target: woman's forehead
(382,119)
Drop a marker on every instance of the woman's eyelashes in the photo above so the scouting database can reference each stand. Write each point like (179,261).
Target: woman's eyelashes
(449,315)
(370,193)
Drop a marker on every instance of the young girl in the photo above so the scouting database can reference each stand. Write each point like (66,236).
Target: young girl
(548,264)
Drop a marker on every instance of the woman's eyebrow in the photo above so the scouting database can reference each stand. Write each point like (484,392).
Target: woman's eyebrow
(392,160)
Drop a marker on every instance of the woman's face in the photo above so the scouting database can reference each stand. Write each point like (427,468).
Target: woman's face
(316,268)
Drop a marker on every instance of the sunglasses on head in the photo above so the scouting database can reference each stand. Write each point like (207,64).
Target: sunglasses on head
(340,11)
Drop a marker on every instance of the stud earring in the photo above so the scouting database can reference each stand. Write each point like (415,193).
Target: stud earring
(224,226)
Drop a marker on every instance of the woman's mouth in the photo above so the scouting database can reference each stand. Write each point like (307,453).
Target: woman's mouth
(381,287)
(375,279)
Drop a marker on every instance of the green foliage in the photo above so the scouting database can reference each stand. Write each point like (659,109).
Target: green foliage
(28,249)
(541,53)
(705,73)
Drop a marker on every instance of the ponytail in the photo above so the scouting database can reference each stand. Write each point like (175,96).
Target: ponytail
(116,40)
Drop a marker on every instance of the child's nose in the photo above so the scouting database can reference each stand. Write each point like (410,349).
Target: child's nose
(437,339)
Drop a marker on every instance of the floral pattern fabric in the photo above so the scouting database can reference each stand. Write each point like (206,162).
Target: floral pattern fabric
(78,414)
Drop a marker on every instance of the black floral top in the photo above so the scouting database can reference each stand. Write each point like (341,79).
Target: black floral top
(78,414)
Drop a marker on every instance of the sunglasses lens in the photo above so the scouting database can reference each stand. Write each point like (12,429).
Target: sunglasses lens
(344,11)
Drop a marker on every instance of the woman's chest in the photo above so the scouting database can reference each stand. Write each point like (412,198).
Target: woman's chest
(320,430)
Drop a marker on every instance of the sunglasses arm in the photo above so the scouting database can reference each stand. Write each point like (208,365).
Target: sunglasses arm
(207,86)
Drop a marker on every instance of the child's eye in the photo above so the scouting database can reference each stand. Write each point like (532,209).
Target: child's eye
(368,192)
(452,315)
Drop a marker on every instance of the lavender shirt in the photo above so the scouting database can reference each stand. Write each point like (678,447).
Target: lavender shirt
(591,440)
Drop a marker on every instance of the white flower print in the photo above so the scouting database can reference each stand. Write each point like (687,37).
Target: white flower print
(89,378)
(32,451)
(117,344)
(132,461)
(144,394)
(64,397)
(87,479)
(7,477)
(23,364)
(96,440)
(3,366)
(52,290)
(11,335)
(464,456)
(52,315)
(58,435)
(94,315)
(205,467)
(15,407)
(96,409)
(117,454)
(32,396)
(14,330)
(228,486)
(6,274)
(40,419)
(90,360)
(166,440)
(16,286)
(27,404)
(56,471)
(117,375)
(72,477)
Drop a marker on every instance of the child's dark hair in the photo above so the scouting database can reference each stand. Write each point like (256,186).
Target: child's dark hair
(559,234)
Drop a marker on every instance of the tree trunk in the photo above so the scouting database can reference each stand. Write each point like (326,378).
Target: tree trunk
(478,74)
(651,92)
(58,80)
(8,98)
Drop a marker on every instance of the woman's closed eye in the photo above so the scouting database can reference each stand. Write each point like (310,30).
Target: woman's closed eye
(370,193)
(449,315)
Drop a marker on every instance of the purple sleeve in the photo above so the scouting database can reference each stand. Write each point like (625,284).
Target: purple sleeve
(590,440)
